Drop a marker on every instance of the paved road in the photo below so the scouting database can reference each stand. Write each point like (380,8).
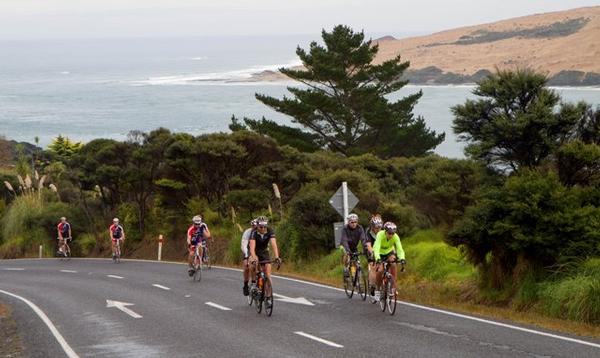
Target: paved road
(176,320)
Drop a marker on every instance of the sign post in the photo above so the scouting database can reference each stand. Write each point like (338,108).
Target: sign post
(343,201)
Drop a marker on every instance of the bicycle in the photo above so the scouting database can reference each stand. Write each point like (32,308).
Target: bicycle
(388,294)
(356,278)
(262,293)
(197,265)
(65,253)
(205,257)
(117,253)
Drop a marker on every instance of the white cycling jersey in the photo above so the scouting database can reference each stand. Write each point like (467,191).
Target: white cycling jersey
(245,240)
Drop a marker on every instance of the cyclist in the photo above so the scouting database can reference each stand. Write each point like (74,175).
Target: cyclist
(245,243)
(259,248)
(196,234)
(116,232)
(352,234)
(374,228)
(388,248)
(64,234)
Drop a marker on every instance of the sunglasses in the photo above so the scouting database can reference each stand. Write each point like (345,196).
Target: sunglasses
(262,226)
(353,222)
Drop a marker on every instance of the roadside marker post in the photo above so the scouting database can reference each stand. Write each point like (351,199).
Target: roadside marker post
(40,253)
(160,243)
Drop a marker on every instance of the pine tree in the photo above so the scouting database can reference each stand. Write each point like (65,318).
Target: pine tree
(343,100)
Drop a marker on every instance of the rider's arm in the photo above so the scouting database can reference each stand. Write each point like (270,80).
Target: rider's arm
(399,249)
(110,233)
(245,237)
(189,237)
(59,232)
(70,235)
(274,246)
(344,241)
(122,234)
(207,232)
(377,247)
(363,239)
(252,248)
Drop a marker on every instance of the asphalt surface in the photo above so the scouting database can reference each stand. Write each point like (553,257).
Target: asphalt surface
(176,320)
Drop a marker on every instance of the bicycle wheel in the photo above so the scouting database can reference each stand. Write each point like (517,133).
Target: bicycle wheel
(383,297)
(268,295)
(250,298)
(197,269)
(362,284)
(348,285)
(391,298)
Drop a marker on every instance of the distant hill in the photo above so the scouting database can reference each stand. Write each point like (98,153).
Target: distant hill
(565,45)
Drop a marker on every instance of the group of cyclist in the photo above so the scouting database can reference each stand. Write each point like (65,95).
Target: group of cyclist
(380,242)
(115,233)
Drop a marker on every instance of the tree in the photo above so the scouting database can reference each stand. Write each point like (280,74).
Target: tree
(515,124)
(63,148)
(344,99)
(284,135)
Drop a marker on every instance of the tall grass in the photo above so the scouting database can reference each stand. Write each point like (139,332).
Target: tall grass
(576,296)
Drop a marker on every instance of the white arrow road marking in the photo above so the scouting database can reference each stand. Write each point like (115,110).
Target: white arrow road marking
(69,271)
(14,269)
(223,308)
(115,276)
(321,340)
(121,306)
(61,340)
(299,300)
(161,287)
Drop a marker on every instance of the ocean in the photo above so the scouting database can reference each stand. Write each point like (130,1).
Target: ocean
(86,89)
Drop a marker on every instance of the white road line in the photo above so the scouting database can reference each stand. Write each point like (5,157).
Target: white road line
(61,340)
(14,269)
(69,271)
(321,340)
(504,325)
(115,276)
(161,287)
(223,308)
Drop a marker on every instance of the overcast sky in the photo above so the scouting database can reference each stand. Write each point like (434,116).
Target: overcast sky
(38,19)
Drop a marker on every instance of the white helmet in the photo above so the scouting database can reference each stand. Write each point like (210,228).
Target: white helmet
(352,217)
(390,227)
(63,219)
(197,219)
(253,222)
(116,220)
(262,220)
(376,221)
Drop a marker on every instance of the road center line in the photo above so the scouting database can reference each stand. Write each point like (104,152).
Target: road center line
(14,269)
(320,340)
(69,271)
(115,276)
(61,340)
(223,308)
(161,287)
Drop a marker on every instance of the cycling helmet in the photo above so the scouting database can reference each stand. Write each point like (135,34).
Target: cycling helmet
(253,222)
(63,218)
(390,227)
(197,219)
(376,221)
(116,220)
(352,217)
(262,220)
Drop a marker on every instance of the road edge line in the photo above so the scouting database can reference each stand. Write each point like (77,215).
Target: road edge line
(319,339)
(59,338)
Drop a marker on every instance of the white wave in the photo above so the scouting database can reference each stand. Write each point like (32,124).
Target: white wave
(212,77)
(65,73)
(199,58)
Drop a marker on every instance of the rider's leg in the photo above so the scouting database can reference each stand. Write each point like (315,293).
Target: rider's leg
(191,252)
(113,247)
(372,274)
(267,269)
(379,274)
(345,259)
(393,271)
